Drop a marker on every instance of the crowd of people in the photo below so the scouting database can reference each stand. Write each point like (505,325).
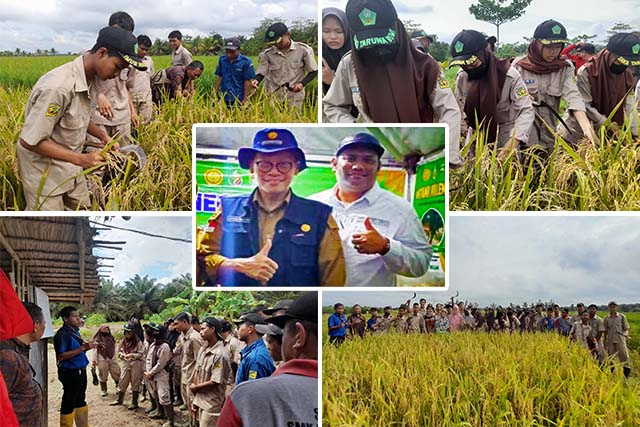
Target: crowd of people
(207,368)
(97,102)
(374,72)
(355,234)
(599,336)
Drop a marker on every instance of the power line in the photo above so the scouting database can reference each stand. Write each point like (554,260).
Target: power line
(144,233)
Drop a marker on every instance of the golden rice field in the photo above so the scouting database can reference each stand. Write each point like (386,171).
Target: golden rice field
(471,379)
(165,182)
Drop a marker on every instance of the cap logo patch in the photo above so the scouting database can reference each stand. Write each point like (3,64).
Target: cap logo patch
(458,46)
(272,33)
(635,48)
(305,227)
(272,135)
(367,17)
(135,47)
(556,29)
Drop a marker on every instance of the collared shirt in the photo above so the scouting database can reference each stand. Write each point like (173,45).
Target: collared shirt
(67,339)
(181,56)
(616,328)
(357,324)
(234,346)
(192,341)
(59,108)
(212,365)
(415,323)
(157,358)
(336,320)
(255,362)
(233,75)
(292,393)
(597,326)
(141,88)
(395,219)
(582,333)
(24,392)
(117,93)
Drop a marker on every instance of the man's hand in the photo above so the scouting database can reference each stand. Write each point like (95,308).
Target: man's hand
(135,119)
(370,242)
(89,160)
(259,267)
(104,106)
(254,83)
(297,87)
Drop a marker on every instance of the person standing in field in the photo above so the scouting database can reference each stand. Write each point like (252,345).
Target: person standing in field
(442,323)
(578,316)
(400,320)
(581,332)
(191,343)
(235,74)
(606,81)
(597,330)
(131,353)
(386,321)
(141,88)
(550,79)
(491,94)
(57,119)
(356,322)
(104,357)
(373,323)
(179,54)
(157,376)
(430,320)
(616,332)
(563,323)
(415,321)
(337,323)
(283,66)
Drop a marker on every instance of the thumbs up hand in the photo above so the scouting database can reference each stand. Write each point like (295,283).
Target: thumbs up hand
(371,241)
(260,266)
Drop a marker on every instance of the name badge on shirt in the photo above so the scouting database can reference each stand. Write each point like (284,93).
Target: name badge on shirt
(529,81)
(237,219)
(355,89)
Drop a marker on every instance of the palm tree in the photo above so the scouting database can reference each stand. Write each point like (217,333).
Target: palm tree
(109,302)
(143,296)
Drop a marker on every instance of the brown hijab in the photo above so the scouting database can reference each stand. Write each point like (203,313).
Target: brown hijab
(398,91)
(108,348)
(129,345)
(484,93)
(535,63)
(608,88)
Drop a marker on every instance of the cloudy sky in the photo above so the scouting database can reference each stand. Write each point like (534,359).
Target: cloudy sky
(73,25)
(446,18)
(158,258)
(505,259)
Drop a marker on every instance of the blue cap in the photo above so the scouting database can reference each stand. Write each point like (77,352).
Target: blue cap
(365,140)
(271,141)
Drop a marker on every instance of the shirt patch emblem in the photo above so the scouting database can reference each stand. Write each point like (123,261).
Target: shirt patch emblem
(443,83)
(521,92)
(53,110)
(253,375)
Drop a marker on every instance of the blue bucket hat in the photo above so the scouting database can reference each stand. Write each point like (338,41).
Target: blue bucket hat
(361,140)
(271,140)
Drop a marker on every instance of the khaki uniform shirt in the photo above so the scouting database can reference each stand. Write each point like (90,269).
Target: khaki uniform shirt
(291,67)
(535,322)
(177,353)
(616,328)
(401,325)
(59,108)
(117,92)
(550,88)
(138,354)
(141,88)
(344,93)
(514,112)
(181,56)
(415,324)
(191,344)
(212,365)
(157,359)
(597,326)
(384,325)
(233,346)
(581,332)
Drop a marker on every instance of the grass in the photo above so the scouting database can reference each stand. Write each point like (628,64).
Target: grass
(165,183)
(470,379)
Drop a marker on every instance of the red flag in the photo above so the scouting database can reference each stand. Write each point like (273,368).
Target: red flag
(14,318)
(7,415)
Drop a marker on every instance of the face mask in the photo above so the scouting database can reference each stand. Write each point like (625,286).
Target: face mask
(105,334)
(476,73)
(380,54)
(617,68)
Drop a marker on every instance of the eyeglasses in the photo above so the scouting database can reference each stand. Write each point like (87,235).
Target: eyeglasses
(266,166)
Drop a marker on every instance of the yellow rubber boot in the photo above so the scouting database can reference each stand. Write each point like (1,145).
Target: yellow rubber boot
(82,416)
(66,420)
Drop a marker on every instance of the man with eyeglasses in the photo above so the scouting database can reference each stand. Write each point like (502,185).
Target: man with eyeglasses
(381,234)
(271,236)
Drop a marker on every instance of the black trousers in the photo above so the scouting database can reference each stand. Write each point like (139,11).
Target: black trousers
(74,389)
(337,340)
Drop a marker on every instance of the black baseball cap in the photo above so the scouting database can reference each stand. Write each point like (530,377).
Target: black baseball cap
(372,23)
(123,42)
(214,323)
(304,308)
(550,32)
(271,140)
(361,140)
(269,329)
(232,43)
(465,46)
(586,47)
(421,34)
(284,304)
(129,327)
(275,32)
(251,317)
(627,47)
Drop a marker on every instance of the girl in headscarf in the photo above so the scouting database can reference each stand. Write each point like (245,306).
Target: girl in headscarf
(335,43)
(491,93)
(131,353)
(548,79)
(103,357)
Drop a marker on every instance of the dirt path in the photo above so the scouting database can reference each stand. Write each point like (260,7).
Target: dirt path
(100,413)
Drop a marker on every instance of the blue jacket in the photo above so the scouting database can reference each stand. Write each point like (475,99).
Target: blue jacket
(67,339)
(255,362)
(233,77)
(294,248)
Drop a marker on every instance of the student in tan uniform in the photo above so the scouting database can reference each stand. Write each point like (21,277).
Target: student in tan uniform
(179,54)
(157,376)
(400,321)
(212,376)
(597,330)
(581,331)
(357,323)
(232,344)
(141,88)
(578,316)
(104,358)
(57,119)
(177,373)
(131,353)
(415,321)
(616,332)
(606,81)
(549,79)
(491,93)
(286,66)
(386,79)
(384,325)
(191,344)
